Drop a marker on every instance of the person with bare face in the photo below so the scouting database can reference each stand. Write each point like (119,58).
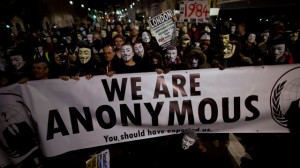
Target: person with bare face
(111,62)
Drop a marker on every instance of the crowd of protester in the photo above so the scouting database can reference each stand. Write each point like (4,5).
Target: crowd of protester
(95,49)
(118,48)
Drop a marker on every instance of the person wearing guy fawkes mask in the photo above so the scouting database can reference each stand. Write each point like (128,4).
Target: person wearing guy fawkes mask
(105,38)
(129,65)
(196,59)
(18,68)
(278,52)
(181,150)
(228,51)
(86,65)
(149,43)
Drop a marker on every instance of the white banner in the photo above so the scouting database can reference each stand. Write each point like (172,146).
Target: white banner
(18,136)
(73,115)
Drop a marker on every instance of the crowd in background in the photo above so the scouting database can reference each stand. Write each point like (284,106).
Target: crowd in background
(94,49)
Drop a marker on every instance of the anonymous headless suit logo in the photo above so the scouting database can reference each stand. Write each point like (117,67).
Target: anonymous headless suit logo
(285,100)
(17,136)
